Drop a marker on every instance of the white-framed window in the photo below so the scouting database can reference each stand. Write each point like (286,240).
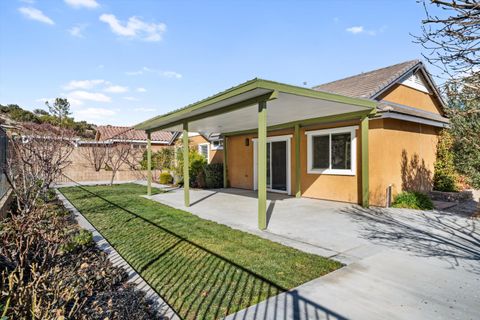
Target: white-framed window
(204,150)
(332,151)
(217,145)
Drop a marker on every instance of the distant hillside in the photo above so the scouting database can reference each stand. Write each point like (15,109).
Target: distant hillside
(12,114)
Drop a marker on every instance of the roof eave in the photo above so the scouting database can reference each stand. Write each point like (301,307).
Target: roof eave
(271,86)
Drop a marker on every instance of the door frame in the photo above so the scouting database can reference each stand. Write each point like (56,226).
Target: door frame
(287,139)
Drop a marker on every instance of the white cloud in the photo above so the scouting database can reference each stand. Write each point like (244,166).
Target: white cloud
(28,1)
(145,109)
(171,74)
(139,72)
(95,113)
(84,84)
(362,30)
(144,70)
(115,89)
(90,4)
(100,66)
(35,14)
(86,95)
(135,28)
(356,29)
(130,98)
(141,90)
(77,31)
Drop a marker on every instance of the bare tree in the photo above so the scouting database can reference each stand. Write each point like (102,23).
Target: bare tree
(123,154)
(95,153)
(451,35)
(37,155)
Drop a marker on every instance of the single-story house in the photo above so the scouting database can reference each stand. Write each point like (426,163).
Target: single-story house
(358,140)
(210,146)
(113,134)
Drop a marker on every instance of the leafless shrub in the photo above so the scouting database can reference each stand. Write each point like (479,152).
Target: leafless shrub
(95,153)
(123,154)
(37,155)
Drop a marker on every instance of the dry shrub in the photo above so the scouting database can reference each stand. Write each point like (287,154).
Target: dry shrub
(40,279)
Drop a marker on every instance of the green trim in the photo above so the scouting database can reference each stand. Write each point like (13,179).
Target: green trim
(365,170)
(172,118)
(356,115)
(149,164)
(186,174)
(225,161)
(262,165)
(298,181)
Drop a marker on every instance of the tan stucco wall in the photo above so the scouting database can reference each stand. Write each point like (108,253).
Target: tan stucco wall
(402,94)
(391,143)
(332,187)
(401,154)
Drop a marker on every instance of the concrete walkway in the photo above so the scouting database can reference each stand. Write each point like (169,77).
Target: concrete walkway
(401,264)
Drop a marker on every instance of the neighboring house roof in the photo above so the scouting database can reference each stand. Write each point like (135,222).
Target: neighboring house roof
(128,133)
(373,83)
(368,84)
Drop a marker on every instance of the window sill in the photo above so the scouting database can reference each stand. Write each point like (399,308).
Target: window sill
(335,172)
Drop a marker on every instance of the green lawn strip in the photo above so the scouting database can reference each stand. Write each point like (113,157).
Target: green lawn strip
(202,268)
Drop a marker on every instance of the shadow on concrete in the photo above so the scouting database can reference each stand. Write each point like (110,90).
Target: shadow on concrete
(449,238)
(270,208)
(204,198)
(196,282)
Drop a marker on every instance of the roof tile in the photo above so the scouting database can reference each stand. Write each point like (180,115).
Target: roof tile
(367,84)
(112,132)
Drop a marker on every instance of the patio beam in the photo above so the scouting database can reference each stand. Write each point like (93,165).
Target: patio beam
(365,163)
(225,161)
(262,165)
(298,182)
(356,115)
(149,164)
(186,177)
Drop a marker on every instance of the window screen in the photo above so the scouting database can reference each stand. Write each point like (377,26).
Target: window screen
(341,151)
(320,146)
(203,148)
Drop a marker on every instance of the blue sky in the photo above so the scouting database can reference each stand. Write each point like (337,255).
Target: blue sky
(121,62)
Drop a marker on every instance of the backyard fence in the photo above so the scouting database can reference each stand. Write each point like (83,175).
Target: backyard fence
(3,162)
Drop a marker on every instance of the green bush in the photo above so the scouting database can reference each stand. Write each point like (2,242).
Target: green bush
(445,177)
(413,200)
(161,160)
(214,175)
(81,239)
(165,178)
(197,163)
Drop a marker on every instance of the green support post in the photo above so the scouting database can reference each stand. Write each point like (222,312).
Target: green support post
(298,182)
(262,165)
(149,164)
(225,172)
(186,175)
(365,171)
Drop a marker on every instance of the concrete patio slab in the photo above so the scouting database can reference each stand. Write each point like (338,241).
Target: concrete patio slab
(314,220)
(401,264)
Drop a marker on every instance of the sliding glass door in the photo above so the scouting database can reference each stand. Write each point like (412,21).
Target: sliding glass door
(277,165)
